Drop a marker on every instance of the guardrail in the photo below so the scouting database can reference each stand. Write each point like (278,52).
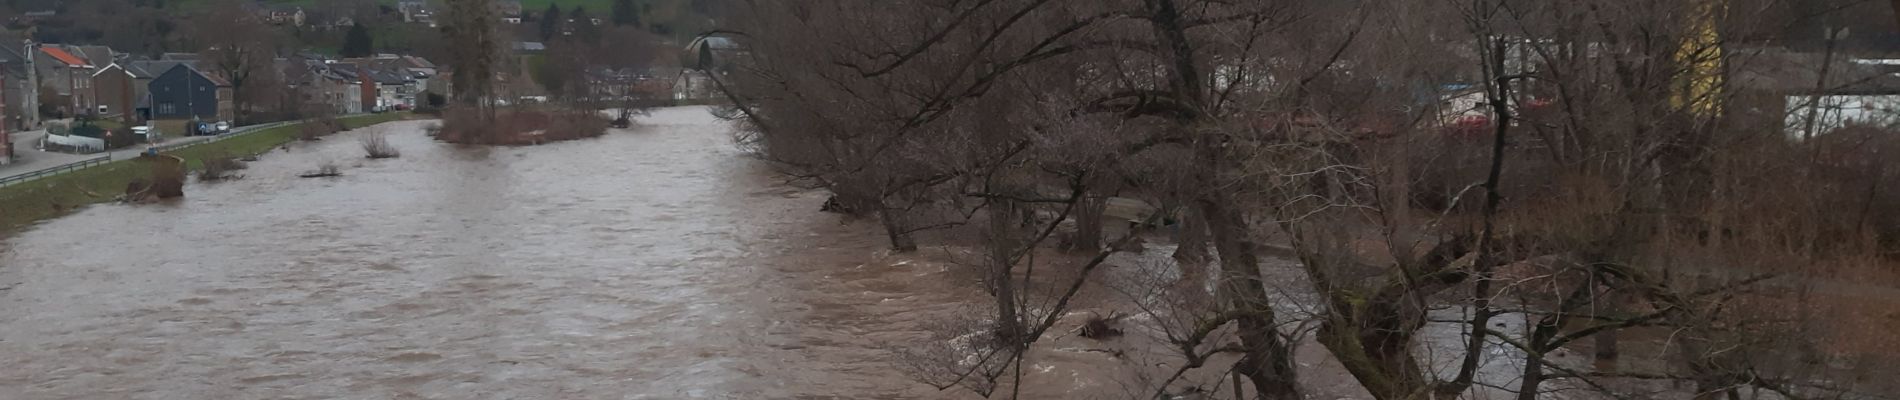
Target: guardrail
(8,181)
(240,131)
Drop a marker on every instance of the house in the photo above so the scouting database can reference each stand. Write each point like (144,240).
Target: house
(608,84)
(530,47)
(413,10)
(114,87)
(318,88)
(342,94)
(182,93)
(508,8)
(143,72)
(387,83)
(285,15)
(67,75)
(18,93)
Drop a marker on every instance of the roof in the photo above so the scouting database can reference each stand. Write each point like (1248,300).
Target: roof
(111,67)
(154,69)
(418,62)
(15,63)
(179,57)
(147,69)
(64,57)
(97,55)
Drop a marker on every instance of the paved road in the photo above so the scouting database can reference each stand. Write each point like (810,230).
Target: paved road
(27,158)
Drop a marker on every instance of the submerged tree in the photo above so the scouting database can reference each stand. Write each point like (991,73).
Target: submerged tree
(1468,165)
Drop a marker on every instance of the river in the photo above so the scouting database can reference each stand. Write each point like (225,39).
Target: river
(658,262)
(653,263)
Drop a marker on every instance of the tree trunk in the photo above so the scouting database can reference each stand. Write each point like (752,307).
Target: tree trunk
(1533,377)
(894,227)
(1606,341)
(1267,361)
(1190,241)
(1088,223)
(1375,347)
(1009,330)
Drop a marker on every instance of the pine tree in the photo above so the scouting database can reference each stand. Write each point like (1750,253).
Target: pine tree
(583,25)
(551,22)
(625,14)
(357,42)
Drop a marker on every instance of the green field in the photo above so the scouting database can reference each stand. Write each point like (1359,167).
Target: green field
(30,202)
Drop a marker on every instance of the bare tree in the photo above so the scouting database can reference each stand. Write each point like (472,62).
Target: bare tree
(239,49)
(470,30)
(1564,159)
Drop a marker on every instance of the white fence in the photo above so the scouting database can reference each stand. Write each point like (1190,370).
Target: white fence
(77,142)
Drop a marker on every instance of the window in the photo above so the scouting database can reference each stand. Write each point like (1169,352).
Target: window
(167,108)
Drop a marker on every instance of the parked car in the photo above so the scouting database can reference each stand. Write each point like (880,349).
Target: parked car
(222,127)
(200,129)
(144,132)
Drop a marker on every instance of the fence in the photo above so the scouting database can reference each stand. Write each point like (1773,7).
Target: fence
(241,131)
(9,181)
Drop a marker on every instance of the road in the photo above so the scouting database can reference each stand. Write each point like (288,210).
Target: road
(28,159)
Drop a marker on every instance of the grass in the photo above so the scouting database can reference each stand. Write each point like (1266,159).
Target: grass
(26,203)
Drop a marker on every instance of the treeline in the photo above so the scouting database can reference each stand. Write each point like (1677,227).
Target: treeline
(1584,168)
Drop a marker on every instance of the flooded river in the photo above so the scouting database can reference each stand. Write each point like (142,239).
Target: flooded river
(658,262)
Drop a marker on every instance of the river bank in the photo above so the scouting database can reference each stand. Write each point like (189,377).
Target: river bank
(27,203)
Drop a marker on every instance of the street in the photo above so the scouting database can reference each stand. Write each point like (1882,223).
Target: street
(28,158)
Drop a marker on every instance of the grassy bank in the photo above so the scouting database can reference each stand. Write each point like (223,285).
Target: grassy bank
(265,140)
(26,203)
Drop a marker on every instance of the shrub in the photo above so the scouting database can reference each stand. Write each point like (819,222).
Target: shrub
(220,167)
(376,145)
(122,138)
(318,127)
(520,126)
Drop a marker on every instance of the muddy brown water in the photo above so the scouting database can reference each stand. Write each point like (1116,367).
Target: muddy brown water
(658,262)
(652,263)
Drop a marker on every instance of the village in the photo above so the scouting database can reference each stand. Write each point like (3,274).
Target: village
(995,199)
(63,100)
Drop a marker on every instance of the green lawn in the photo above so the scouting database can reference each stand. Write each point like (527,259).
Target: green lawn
(26,203)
